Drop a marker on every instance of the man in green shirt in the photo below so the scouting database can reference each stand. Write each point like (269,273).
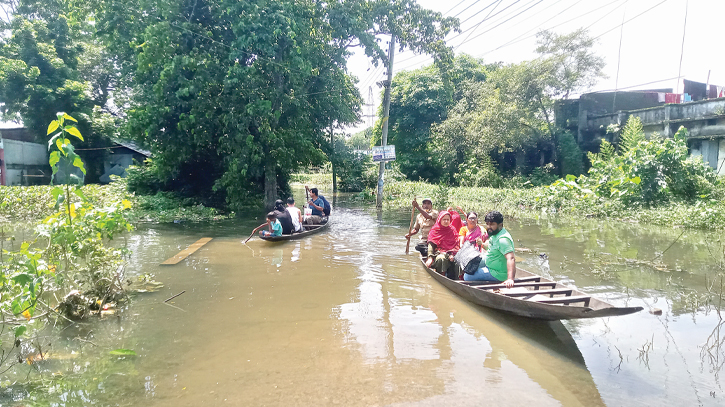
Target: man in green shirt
(499,262)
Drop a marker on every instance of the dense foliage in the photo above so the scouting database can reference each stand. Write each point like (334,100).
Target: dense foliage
(67,270)
(233,96)
(463,124)
(51,61)
(644,173)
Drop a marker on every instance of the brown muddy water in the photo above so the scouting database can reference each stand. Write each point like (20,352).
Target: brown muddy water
(345,318)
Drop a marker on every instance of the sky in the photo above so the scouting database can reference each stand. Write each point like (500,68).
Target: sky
(651,39)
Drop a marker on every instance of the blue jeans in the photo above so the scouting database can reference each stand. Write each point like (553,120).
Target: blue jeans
(482,274)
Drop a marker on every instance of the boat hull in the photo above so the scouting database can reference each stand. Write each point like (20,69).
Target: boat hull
(311,230)
(530,308)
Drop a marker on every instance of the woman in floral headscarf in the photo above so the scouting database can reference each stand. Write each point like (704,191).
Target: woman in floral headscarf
(443,246)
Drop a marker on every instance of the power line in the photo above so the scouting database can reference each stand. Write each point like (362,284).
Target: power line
(519,38)
(472,4)
(474,28)
(635,86)
(617,26)
(462,32)
(462,1)
(484,9)
(503,22)
(587,27)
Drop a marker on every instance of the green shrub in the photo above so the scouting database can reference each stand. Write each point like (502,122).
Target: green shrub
(649,173)
(542,175)
(478,172)
(571,158)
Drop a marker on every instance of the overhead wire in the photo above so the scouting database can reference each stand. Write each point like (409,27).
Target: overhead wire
(477,25)
(525,36)
(617,26)
(473,28)
(460,33)
(503,22)
(496,2)
(449,10)
(635,86)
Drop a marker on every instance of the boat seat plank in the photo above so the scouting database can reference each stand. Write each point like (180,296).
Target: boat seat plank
(500,286)
(551,293)
(567,300)
(517,280)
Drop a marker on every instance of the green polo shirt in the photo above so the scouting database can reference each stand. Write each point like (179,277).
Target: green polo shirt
(500,244)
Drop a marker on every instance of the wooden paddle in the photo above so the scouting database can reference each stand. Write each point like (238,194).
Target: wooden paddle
(412,222)
(255,231)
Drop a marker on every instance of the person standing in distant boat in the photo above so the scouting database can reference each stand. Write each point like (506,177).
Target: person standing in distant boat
(499,262)
(295,214)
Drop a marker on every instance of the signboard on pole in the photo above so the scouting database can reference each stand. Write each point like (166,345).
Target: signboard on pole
(384,153)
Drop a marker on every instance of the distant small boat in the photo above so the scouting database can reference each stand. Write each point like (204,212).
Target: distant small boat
(308,230)
(532,296)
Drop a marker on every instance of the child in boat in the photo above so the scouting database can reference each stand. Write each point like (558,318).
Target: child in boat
(275,228)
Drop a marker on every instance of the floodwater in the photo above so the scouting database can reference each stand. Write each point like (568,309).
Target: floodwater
(345,318)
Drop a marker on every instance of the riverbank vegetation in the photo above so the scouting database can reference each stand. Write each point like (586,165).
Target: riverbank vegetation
(68,270)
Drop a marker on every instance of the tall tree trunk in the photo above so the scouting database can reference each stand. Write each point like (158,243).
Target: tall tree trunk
(270,184)
(332,160)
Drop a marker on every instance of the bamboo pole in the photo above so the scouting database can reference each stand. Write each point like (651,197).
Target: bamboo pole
(410,229)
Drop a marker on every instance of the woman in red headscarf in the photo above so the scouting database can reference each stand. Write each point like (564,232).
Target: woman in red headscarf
(443,246)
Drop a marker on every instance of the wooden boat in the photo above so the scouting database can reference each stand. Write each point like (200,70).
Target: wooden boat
(532,296)
(308,230)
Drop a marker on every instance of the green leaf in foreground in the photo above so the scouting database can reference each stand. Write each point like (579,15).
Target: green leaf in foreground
(122,352)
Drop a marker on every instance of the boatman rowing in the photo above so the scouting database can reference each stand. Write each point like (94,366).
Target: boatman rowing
(499,262)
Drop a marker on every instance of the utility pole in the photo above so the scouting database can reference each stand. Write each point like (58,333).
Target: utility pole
(386,116)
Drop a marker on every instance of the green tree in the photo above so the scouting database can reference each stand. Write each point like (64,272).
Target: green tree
(51,62)
(512,111)
(236,95)
(420,99)
(573,67)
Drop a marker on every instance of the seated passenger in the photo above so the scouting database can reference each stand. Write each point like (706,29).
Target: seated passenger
(499,262)
(455,218)
(471,232)
(275,228)
(318,206)
(284,217)
(442,247)
(295,214)
(326,207)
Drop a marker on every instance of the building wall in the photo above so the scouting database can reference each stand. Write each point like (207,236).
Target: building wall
(25,163)
(704,120)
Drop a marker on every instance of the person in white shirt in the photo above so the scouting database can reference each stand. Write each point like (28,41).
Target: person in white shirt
(295,214)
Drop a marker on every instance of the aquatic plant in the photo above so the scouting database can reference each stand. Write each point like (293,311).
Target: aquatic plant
(68,256)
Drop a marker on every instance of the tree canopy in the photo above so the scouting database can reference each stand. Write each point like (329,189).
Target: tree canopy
(234,95)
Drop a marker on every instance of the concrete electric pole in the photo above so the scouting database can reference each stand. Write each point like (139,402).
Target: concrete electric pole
(386,116)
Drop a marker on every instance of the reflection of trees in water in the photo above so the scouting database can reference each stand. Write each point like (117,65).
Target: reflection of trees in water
(712,352)
(679,264)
